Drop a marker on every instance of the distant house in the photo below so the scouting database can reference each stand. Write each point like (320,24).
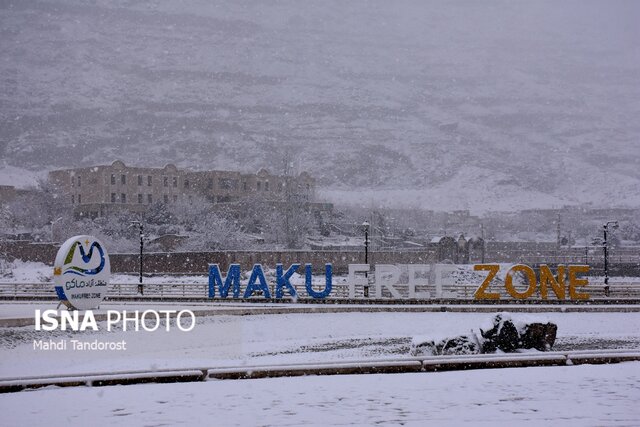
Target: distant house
(97,190)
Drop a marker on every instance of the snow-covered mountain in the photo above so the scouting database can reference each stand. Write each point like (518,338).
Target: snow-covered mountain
(478,105)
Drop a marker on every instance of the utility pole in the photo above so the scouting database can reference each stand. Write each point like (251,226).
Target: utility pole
(586,254)
(558,239)
(141,228)
(365,225)
(605,244)
(482,237)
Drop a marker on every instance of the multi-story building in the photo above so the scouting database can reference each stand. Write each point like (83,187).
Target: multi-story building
(99,190)
(7,194)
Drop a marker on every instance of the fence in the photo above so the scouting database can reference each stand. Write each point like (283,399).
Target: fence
(340,291)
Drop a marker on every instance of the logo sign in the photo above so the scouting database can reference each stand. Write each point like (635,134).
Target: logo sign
(81,272)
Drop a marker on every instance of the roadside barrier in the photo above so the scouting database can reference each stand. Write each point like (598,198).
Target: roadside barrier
(355,367)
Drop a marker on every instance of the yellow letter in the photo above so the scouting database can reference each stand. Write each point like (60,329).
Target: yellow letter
(546,278)
(493,270)
(575,282)
(508,281)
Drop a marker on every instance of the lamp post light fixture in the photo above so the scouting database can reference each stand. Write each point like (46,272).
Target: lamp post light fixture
(605,244)
(141,228)
(365,225)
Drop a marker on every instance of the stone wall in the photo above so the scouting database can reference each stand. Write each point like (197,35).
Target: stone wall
(197,262)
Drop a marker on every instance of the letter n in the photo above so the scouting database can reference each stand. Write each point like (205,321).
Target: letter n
(547,279)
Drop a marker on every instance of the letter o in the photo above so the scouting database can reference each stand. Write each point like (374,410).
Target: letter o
(508,281)
(144,322)
(179,322)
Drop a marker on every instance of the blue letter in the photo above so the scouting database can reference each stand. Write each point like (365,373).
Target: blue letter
(257,273)
(327,288)
(233,276)
(283,281)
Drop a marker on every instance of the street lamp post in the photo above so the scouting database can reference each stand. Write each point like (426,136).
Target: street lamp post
(55,221)
(141,228)
(365,225)
(605,244)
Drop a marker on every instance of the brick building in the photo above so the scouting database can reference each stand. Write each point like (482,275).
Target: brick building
(97,190)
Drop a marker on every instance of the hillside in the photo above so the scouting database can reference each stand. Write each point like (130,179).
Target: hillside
(444,105)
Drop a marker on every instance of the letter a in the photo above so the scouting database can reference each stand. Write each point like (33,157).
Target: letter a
(257,274)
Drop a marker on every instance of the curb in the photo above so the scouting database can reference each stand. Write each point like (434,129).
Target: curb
(356,367)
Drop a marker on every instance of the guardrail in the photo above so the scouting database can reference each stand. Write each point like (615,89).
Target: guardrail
(340,291)
(370,366)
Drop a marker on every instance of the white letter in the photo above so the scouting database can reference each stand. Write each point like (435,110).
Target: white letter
(110,321)
(71,317)
(48,316)
(357,280)
(443,268)
(387,275)
(89,320)
(144,323)
(168,314)
(193,320)
(125,320)
(37,317)
(414,269)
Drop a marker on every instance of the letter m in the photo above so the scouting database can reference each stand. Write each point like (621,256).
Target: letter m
(215,279)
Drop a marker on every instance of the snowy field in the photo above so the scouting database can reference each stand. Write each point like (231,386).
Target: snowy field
(603,395)
(287,338)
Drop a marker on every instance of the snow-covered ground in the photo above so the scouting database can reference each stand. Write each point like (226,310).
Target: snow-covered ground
(578,395)
(567,396)
(286,338)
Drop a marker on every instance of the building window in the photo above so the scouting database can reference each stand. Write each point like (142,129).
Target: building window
(139,198)
(113,197)
(259,185)
(73,181)
(266,186)
(175,198)
(280,185)
(165,181)
(186,183)
(210,183)
(175,181)
(79,198)
(166,199)
(244,185)
(73,199)
(139,179)
(149,181)
(113,179)
(149,198)
(123,198)
(224,183)
(79,182)
(123,179)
